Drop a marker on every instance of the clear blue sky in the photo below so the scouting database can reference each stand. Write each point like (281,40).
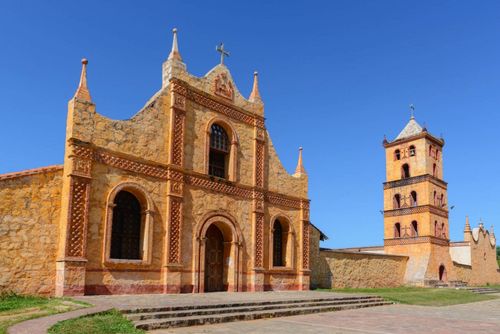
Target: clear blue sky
(335,77)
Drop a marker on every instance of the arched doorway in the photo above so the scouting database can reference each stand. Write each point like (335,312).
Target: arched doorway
(442,273)
(217,228)
(214,260)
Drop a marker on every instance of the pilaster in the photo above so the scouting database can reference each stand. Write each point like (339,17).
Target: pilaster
(172,271)
(258,210)
(70,266)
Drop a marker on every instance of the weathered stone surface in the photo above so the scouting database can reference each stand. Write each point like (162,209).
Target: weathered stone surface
(358,270)
(29,218)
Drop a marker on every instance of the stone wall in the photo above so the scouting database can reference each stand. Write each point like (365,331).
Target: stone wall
(29,218)
(462,272)
(337,269)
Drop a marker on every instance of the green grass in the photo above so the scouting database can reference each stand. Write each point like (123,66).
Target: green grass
(422,296)
(109,322)
(16,308)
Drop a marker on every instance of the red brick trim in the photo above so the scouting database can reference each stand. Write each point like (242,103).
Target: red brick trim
(30,172)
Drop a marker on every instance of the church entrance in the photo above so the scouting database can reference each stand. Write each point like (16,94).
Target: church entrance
(442,273)
(214,260)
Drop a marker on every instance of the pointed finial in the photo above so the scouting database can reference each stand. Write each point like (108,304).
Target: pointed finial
(174,54)
(412,111)
(82,92)
(300,167)
(481,225)
(255,95)
(467,225)
(492,231)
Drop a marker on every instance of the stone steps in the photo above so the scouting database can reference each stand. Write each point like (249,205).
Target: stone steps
(482,291)
(192,315)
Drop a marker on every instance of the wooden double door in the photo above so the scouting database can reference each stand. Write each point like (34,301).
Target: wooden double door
(214,260)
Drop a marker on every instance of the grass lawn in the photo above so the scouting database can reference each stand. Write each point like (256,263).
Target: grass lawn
(16,308)
(422,296)
(110,322)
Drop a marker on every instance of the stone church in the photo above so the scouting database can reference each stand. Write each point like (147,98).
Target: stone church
(188,195)
(417,249)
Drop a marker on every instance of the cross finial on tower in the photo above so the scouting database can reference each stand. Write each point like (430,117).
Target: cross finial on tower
(82,92)
(223,52)
(412,111)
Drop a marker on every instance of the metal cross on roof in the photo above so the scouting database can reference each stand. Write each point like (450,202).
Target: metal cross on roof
(223,53)
(412,110)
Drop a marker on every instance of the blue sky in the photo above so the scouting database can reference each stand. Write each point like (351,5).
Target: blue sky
(335,77)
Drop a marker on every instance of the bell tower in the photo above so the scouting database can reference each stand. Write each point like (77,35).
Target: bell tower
(416,205)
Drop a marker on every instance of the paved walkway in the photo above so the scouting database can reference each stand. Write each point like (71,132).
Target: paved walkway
(481,317)
(103,303)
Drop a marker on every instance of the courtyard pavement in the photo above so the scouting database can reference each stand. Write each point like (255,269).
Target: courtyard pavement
(481,317)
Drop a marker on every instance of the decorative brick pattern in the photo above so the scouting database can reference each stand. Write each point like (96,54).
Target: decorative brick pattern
(178,87)
(305,245)
(78,216)
(282,200)
(178,139)
(175,231)
(81,151)
(259,165)
(218,186)
(130,165)
(179,101)
(259,240)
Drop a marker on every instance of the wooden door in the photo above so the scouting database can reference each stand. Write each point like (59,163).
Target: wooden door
(214,260)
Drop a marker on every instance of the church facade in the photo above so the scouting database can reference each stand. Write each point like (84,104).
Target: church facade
(188,195)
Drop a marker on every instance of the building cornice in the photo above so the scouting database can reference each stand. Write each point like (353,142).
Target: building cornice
(416,209)
(414,180)
(424,134)
(416,240)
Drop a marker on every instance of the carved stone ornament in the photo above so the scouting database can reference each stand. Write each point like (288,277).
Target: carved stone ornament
(224,87)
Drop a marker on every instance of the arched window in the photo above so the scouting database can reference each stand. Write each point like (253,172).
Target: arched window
(437,155)
(405,171)
(397,201)
(414,229)
(397,230)
(435,197)
(279,244)
(126,227)
(434,170)
(430,151)
(413,152)
(436,232)
(441,201)
(219,151)
(397,154)
(443,231)
(413,198)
